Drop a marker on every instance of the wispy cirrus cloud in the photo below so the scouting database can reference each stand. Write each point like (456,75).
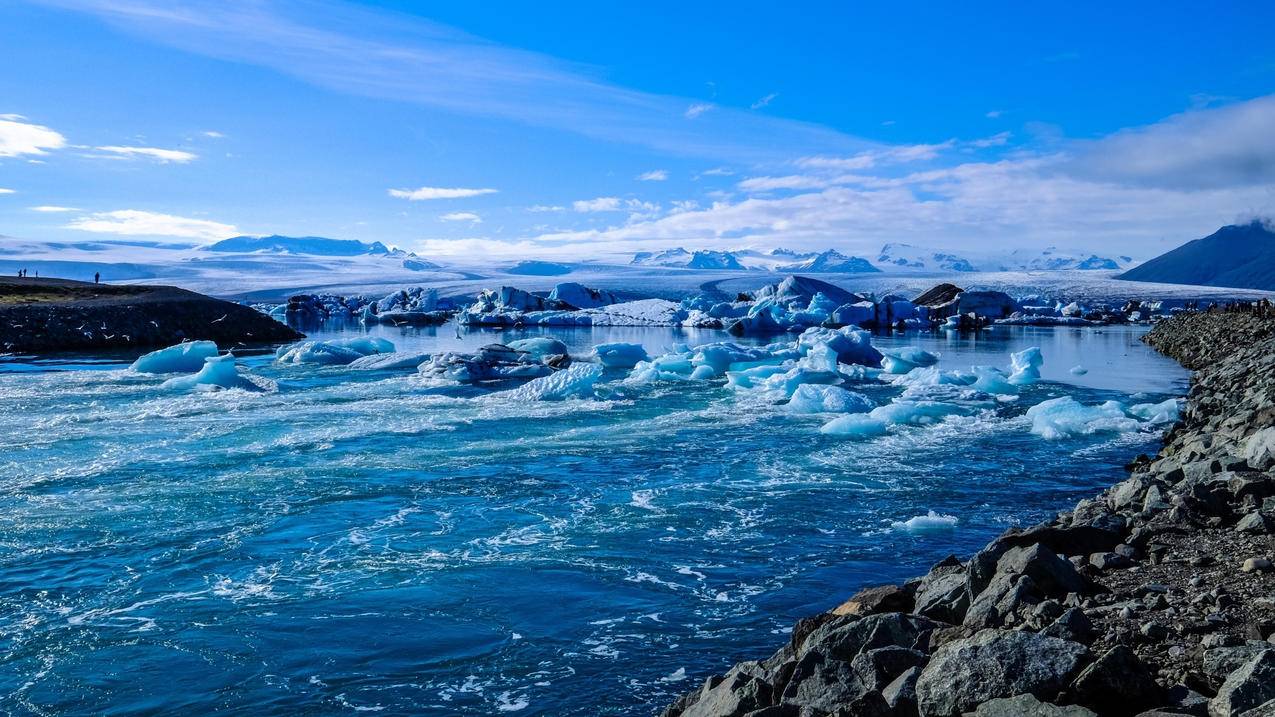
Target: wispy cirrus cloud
(764,101)
(655,175)
(19,137)
(6,190)
(159,155)
(470,217)
(372,53)
(53,209)
(421,194)
(136,222)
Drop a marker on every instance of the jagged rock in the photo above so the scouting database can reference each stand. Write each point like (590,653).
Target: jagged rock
(878,668)
(1117,682)
(1255,524)
(1072,625)
(843,638)
(1250,686)
(1219,662)
(823,683)
(900,694)
(994,663)
(734,696)
(883,598)
(1026,706)
(942,594)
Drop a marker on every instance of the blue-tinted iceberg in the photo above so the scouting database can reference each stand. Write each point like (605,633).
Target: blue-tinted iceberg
(218,372)
(855,426)
(1025,366)
(576,381)
(815,398)
(1065,417)
(389,361)
(539,346)
(906,358)
(182,358)
(619,355)
(337,352)
(1164,412)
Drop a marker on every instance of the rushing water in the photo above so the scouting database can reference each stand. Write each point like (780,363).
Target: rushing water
(356,541)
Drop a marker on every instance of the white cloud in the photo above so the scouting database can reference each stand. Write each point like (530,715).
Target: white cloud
(698,108)
(655,175)
(18,137)
(993,114)
(601,204)
(160,155)
(4,190)
(999,139)
(764,101)
(135,222)
(462,217)
(214,134)
(53,209)
(716,172)
(539,208)
(791,181)
(427,193)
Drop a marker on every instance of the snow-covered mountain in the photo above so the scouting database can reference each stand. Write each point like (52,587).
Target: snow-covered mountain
(1054,259)
(1239,255)
(682,259)
(895,256)
(829,262)
(314,246)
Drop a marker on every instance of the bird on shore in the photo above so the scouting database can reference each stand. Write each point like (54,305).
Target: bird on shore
(223,317)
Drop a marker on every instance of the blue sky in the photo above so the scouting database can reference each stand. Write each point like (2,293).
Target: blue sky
(578,129)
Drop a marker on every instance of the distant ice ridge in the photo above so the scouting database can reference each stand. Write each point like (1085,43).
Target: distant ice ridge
(182,358)
(1066,417)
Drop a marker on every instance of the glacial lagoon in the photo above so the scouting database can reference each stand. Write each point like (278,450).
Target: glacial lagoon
(354,541)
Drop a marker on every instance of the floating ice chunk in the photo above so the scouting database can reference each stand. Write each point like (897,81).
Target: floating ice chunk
(1025,366)
(726,356)
(1065,417)
(753,377)
(814,398)
(218,372)
(336,352)
(916,413)
(183,358)
(703,373)
(539,346)
(619,355)
(852,346)
(788,381)
(1164,412)
(575,381)
(856,425)
(392,360)
(581,297)
(906,358)
(929,521)
(1079,370)
(992,380)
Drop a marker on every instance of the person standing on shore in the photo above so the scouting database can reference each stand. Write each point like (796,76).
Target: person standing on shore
(97,277)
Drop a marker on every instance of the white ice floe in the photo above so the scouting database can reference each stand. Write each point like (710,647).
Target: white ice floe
(1065,417)
(930,521)
(856,426)
(388,361)
(1079,370)
(182,358)
(575,381)
(1167,411)
(904,359)
(218,372)
(814,398)
(539,346)
(619,355)
(336,352)
(1025,366)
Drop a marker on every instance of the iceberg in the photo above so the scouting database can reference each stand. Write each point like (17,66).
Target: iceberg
(857,426)
(906,358)
(392,360)
(1066,417)
(577,381)
(930,521)
(218,372)
(337,352)
(539,346)
(581,297)
(852,346)
(492,362)
(619,355)
(183,358)
(1164,412)
(816,398)
(915,413)
(1079,370)
(1025,366)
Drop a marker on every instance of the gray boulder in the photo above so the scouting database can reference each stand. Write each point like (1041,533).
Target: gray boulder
(964,674)
(1117,683)
(1026,706)
(1247,688)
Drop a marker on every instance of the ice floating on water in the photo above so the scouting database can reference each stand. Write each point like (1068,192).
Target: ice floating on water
(1026,366)
(813,398)
(576,381)
(856,426)
(183,358)
(1079,370)
(852,346)
(336,352)
(929,521)
(393,360)
(539,346)
(1164,412)
(906,358)
(493,362)
(1065,417)
(218,372)
(619,355)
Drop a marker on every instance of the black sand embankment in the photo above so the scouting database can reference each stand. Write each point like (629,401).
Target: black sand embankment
(47,315)
(1154,598)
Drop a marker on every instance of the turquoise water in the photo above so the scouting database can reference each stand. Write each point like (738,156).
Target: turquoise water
(357,541)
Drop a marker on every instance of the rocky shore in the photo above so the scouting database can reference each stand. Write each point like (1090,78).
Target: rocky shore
(1154,598)
(41,315)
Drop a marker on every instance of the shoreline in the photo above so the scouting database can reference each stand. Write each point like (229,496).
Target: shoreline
(1154,597)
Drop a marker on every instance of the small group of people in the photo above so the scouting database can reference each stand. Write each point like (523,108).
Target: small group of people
(1262,307)
(22,273)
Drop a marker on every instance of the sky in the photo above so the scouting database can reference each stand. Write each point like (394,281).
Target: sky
(584,129)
